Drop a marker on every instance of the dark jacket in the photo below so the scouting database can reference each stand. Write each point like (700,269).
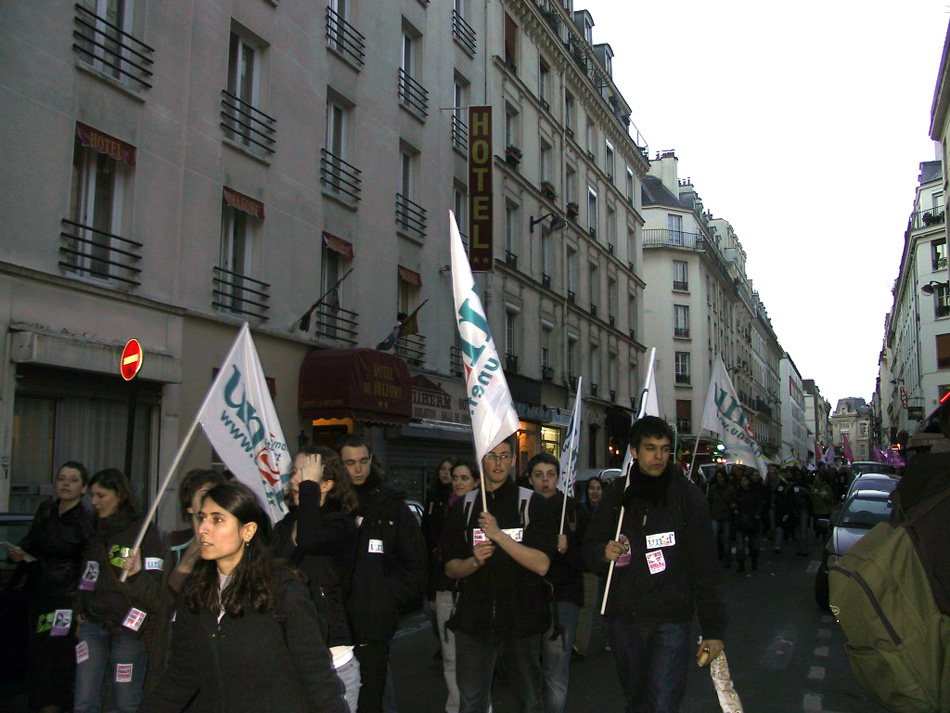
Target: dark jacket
(58,542)
(566,574)
(390,571)
(748,503)
(502,598)
(433,523)
(325,553)
(253,664)
(690,578)
(721,499)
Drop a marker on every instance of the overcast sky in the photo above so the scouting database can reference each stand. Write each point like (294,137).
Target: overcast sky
(802,124)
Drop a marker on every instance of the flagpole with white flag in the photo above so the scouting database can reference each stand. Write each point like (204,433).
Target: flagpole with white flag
(239,418)
(649,406)
(489,401)
(569,451)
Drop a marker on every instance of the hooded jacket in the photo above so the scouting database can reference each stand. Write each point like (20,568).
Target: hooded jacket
(673,569)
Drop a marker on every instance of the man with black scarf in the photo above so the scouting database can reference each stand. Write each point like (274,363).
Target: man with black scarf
(665,568)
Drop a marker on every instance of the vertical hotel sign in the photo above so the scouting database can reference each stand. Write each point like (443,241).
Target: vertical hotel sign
(480,245)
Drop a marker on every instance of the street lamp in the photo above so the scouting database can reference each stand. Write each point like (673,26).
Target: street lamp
(929,288)
(557,222)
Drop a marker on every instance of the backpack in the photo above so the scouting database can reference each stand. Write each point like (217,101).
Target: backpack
(898,640)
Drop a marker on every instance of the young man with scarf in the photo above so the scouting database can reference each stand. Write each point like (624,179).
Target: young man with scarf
(665,568)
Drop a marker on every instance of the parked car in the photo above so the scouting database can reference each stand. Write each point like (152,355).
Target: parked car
(873,481)
(13,611)
(415,507)
(862,510)
(585,474)
(860,467)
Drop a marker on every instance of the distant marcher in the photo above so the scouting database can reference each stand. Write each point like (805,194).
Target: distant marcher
(182,546)
(721,497)
(748,522)
(435,507)
(799,504)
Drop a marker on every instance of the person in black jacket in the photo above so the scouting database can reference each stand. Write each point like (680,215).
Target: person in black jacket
(566,577)
(436,506)
(318,536)
(500,557)
(665,568)
(390,571)
(55,543)
(748,521)
(246,637)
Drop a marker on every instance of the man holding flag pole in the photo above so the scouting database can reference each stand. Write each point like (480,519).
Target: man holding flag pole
(498,546)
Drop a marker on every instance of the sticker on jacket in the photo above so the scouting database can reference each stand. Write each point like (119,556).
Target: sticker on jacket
(656,561)
(376,547)
(62,620)
(82,652)
(661,539)
(89,576)
(123,673)
(154,563)
(134,619)
(624,559)
(515,533)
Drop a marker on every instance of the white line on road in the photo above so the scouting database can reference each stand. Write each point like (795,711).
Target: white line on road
(822,652)
(812,703)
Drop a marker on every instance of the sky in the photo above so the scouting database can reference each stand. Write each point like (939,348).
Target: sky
(804,125)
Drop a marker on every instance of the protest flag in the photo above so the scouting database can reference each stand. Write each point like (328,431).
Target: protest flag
(489,401)
(847,448)
(569,451)
(829,457)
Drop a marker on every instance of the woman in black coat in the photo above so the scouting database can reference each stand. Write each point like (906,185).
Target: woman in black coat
(246,637)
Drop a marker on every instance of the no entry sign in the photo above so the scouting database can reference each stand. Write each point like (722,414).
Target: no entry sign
(131,360)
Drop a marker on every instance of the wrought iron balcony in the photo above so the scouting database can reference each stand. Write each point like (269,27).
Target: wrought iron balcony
(680,286)
(233,292)
(681,378)
(340,177)
(413,95)
(511,260)
(545,280)
(110,50)
(459,134)
(511,363)
(463,33)
(96,254)
(344,38)
(547,372)
(661,237)
(339,325)
(410,217)
(682,332)
(684,425)
(247,125)
(412,348)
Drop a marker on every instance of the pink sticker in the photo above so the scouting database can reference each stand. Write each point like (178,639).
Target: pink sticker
(123,673)
(134,619)
(82,652)
(656,561)
(624,559)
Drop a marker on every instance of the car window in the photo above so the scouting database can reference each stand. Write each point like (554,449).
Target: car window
(860,468)
(865,512)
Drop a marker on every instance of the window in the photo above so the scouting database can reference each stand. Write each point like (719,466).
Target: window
(544,78)
(336,174)
(511,232)
(105,41)
(611,229)
(680,275)
(593,274)
(342,37)
(546,257)
(547,329)
(460,102)
(408,58)
(631,249)
(682,368)
(407,161)
(572,355)
(632,315)
(594,369)
(612,301)
(592,211)
(938,250)
(511,126)
(675,225)
(591,140)
(570,185)
(545,162)
(410,217)
(941,301)
(609,160)
(629,187)
(244,88)
(459,206)
(511,329)
(571,274)
(95,215)
(511,44)
(333,269)
(236,289)
(681,321)
(612,375)
(570,113)
(684,416)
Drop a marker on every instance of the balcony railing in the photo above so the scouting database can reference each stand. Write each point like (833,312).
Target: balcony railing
(413,95)
(111,50)
(593,389)
(340,325)
(547,372)
(463,33)
(459,134)
(455,361)
(927,218)
(344,38)
(681,378)
(97,254)
(681,285)
(673,238)
(511,363)
(545,280)
(412,348)
(941,311)
(246,124)
(511,260)
(410,217)
(682,332)
(233,292)
(339,176)
(684,425)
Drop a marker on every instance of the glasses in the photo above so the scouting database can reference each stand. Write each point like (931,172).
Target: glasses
(503,458)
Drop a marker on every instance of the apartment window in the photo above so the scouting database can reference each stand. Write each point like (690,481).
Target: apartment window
(682,368)
(546,257)
(410,217)
(409,285)
(591,140)
(592,211)
(680,275)
(236,290)
(571,274)
(342,37)
(544,78)
(460,102)
(570,185)
(96,207)
(631,249)
(333,267)
(511,44)
(681,321)
(412,95)
(941,301)
(408,59)
(674,224)
(593,274)
(547,364)
(594,370)
(611,229)
(244,122)
(570,113)
(407,169)
(338,176)
(572,355)
(459,207)
(511,126)
(511,329)
(628,191)
(938,250)
(609,160)
(545,162)
(684,416)
(512,216)
(612,301)
(612,375)
(104,40)
(632,315)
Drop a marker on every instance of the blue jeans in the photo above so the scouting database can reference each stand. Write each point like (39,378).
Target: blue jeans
(651,662)
(349,675)
(475,669)
(107,653)
(556,658)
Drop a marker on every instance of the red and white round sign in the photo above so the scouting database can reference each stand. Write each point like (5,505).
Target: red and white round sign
(131,360)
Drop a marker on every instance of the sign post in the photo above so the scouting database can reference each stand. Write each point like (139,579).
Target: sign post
(130,363)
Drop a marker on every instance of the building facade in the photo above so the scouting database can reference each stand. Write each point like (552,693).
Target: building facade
(796,443)
(851,419)
(817,418)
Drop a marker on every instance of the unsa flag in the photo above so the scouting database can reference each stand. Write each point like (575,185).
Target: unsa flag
(725,416)
(239,418)
(489,401)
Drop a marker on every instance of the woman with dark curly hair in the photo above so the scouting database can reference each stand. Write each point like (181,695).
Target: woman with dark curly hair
(246,636)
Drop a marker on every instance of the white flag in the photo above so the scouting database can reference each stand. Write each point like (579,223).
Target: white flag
(489,402)
(649,403)
(572,444)
(239,419)
(829,457)
(725,416)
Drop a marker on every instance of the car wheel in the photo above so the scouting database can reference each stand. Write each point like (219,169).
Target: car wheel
(821,589)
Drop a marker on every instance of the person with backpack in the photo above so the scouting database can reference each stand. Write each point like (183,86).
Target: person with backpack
(664,571)
(499,558)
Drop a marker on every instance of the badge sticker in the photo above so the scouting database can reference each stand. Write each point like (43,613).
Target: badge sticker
(89,576)
(134,619)
(624,559)
(376,547)
(62,620)
(656,561)
(82,652)
(44,623)
(123,673)
(515,533)
(119,554)
(154,563)
(661,539)
(478,536)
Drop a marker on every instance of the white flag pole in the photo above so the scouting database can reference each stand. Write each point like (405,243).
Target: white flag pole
(180,454)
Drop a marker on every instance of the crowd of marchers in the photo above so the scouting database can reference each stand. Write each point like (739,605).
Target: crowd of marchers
(232,613)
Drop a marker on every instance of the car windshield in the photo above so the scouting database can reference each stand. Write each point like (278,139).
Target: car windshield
(868,467)
(865,512)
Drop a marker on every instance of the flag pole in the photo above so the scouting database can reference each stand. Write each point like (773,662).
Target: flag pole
(179,455)
(322,297)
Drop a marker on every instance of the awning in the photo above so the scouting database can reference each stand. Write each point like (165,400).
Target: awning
(410,276)
(103,143)
(362,384)
(338,245)
(252,207)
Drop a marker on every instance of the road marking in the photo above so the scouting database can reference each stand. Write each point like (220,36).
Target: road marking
(821,652)
(817,673)
(812,703)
